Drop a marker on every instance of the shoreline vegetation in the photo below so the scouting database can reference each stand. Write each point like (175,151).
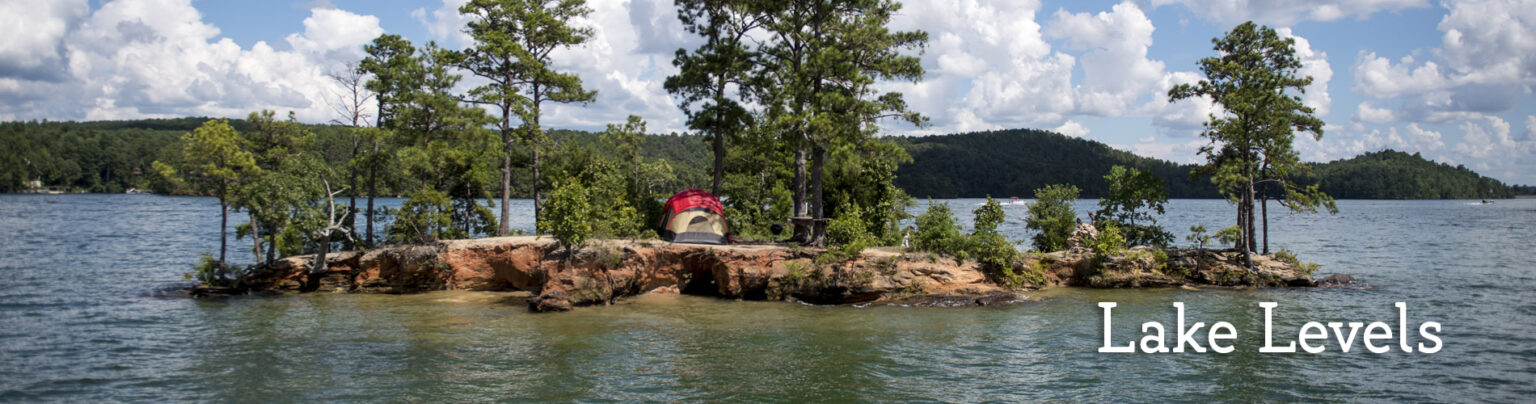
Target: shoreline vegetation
(792,126)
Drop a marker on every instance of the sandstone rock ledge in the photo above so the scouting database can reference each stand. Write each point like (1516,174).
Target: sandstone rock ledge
(605,271)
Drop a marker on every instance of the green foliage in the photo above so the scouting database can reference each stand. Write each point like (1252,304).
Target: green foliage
(1133,197)
(1391,174)
(1198,236)
(569,214)
(938,233)
(213,159)
(1012,162)
(1289,257)
(1052,217)
(986,245)
(863,176)
(992,248)
(988,216)
(705,74)
(848,229)
(1109,242)
(514,48)
(423,218)
(209,271)
(1255,78)
(625,190)
(1229,236)
(112,156)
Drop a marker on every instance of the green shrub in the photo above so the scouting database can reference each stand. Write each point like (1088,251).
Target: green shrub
(1109,243)
(1229,236)
(984,243)
(992,248)
(937,231)
(422,219)
(207,271)
(568,214)
(1198,237)
(1052,217)
(1134,196)
(988,216)
(1289,257)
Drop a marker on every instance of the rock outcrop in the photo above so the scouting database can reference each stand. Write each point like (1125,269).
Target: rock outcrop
(605,271)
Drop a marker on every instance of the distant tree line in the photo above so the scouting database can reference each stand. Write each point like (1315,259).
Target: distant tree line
(112,156)
(1017,161)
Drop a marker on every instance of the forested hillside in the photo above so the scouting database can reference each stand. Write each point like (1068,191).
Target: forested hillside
(1017,161)
(1391,174)
(112,156)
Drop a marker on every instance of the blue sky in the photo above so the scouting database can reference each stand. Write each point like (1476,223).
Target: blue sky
(1449,79)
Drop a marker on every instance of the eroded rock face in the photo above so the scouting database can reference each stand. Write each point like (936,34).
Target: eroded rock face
(610,270)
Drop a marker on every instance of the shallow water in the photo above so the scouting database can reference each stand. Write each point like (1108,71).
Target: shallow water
(79,321)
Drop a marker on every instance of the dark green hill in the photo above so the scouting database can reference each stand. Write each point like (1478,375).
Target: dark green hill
(1391,174)
(1017,161)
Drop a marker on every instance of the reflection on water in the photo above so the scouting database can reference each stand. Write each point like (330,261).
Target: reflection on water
(78,322)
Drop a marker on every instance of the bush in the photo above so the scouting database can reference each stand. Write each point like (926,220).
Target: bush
(1109,243)
(988,216)
(993,249)
(1289,257)
(421,219)
(1133,197)
(1229,236)
(846,234)
(985,244)
(1052,216)
(1198,237)
(209,272)
(569,215)
(937,232)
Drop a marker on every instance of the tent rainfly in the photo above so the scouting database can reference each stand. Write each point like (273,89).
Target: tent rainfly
(694,216)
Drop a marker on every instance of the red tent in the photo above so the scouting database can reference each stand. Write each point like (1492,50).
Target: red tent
(694,216)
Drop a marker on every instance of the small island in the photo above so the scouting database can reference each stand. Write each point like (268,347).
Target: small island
(609,270)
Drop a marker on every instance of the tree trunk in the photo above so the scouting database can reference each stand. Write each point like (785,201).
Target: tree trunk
(1264,212)
(272,247)
(818,201)
(256,238)
(223,224)
(538,226)
(1248,243)
(801,234)
(506,184)
(535,135)
(318,267)
(372,188)
(719,141)
(352,211)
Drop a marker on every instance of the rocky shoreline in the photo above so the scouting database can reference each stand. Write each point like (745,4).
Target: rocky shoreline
(609,270)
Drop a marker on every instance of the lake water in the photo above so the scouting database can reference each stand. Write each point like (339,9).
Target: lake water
(80,321)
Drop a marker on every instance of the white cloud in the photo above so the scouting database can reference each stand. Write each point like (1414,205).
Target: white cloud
(445,24)
(1073,129)
(1314,64)
(1186,152)
(1530,128)
(1116,71)
(1286,13)
(1365,112)
(1486,64)
(158,58)
(33,47)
